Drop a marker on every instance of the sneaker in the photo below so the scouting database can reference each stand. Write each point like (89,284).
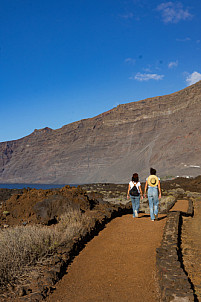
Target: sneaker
(136,213)
(152,220)
(156,216)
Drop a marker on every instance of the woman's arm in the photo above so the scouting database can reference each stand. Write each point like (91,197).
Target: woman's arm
(145,190)
(128,192)
(159,189)
(141,194)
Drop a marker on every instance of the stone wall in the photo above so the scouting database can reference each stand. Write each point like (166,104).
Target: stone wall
(174,282)
(191,245)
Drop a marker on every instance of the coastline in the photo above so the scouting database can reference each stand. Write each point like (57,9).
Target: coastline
(33,186)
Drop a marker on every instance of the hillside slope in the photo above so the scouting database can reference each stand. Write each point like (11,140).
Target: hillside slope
(163,132)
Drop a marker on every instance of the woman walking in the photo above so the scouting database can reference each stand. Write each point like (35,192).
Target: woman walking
(134,192)
(154,192)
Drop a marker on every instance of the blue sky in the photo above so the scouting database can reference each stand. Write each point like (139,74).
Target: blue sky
(62,61)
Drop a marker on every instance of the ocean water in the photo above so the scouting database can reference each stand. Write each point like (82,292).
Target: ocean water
(33,186)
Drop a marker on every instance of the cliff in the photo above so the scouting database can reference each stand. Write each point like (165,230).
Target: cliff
(163,132)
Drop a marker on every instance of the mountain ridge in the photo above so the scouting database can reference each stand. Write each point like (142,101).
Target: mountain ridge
(163,131)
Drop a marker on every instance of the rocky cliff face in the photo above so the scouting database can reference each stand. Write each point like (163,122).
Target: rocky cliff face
(163,132)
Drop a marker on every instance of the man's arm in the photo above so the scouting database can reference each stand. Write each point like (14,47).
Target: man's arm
(159,189)
(145,190)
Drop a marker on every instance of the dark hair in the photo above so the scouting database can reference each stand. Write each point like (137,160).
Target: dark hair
(135,177)
(152,171)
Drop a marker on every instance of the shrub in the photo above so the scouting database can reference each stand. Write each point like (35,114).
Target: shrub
(24,246)
(71,224)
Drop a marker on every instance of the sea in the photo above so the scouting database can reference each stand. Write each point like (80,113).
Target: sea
(34,186)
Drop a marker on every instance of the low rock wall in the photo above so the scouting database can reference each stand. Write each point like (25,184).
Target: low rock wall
(173,280)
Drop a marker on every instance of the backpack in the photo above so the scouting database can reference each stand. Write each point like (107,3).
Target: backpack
(134,191)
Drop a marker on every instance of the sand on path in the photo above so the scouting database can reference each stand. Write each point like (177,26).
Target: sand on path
(117,265)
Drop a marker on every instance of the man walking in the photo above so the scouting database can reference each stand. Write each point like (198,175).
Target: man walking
(154,193)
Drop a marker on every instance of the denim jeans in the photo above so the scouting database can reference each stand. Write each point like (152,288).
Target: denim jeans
(135,203)
(153,201)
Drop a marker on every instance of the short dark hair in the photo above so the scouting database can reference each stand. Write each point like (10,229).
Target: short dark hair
(152,171)
(135,177)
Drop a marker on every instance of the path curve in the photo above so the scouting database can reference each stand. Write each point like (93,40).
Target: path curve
(119,264)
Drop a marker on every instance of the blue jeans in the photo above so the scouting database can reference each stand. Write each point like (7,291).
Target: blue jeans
(153,201)
(135,203)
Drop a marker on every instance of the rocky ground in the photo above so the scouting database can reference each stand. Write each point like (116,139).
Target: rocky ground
(119,190)
(117,193)
(101,202)
(31,206)
(27,206)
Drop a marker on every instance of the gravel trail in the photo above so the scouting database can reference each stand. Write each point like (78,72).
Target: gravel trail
(117,265)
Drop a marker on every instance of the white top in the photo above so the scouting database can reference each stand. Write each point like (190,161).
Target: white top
(137,184)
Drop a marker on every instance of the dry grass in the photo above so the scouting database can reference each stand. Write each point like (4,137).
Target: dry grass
(71,224)
(24,246)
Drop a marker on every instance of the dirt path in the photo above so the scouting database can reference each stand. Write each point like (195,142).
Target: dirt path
(117,265)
